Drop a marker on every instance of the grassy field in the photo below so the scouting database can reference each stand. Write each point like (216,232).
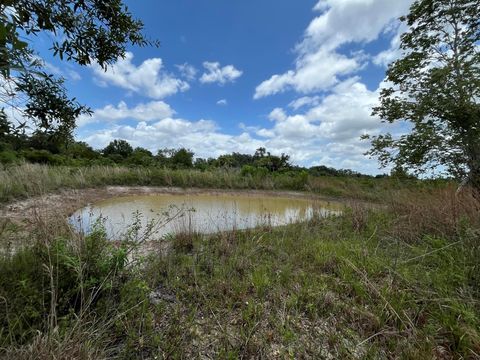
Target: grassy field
(401,281)
(32,179)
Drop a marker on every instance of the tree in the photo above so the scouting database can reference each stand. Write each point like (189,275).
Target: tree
(260,153)
(141,156)
(83,31)
(118,147)
(81,150)
(182,158)
(4,128)
(49,107)
(435,86)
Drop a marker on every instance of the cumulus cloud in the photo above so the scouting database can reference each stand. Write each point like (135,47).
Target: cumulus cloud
(322,126)
(149,78)
(386,57)
(188,71)
(315,72)
(222,102)
(216,74)
(202,136)
(154,110)
(325,133)
(305,101)
(345,114)
(157,128)
(319,64)
(328,131)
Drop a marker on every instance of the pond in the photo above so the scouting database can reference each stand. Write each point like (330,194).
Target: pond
(160,214)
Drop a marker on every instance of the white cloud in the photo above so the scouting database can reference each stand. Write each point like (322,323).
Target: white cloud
(154,110)
(277,114)
(386,57)
(321,126)
(147,79)
(222,102)
(305,101)
(315,72)
(73,75)
(202,136)
(345,114)
(188,71)
(217,74)
(327,133)
(66,71)
(319,65)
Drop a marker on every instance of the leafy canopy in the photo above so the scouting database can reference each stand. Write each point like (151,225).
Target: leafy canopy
(435,87)
(83,31)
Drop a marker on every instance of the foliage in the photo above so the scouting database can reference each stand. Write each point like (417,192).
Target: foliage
(328,171)
(52,281)
(118,147)
(81,150)
(84,32)
(436,88)
(8,157)
(141,157)
(48,105)
(182,158)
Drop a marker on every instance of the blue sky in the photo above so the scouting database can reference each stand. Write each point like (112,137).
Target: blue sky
(298,77)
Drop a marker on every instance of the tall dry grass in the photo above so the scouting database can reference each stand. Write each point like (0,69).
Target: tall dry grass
(28,180)
(443,213)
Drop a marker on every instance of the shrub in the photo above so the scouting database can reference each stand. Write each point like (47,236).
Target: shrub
(56,281)
(39,156)
(247,170)
(8,157)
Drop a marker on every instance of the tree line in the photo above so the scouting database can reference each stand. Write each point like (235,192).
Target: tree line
(33,149)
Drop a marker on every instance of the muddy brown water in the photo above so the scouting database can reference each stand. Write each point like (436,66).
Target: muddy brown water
(162,214)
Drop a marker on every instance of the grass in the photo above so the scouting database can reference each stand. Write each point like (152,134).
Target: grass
(319,290)
(29,180)
(400,281)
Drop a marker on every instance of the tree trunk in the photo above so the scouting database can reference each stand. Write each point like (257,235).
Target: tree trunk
(474,174)
(474,182)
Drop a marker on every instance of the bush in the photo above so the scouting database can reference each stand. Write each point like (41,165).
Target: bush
(253,171)
(8,157)
(54,282)
(247,170)
(39,156)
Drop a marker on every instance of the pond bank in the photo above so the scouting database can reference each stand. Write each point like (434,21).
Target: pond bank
(66,202)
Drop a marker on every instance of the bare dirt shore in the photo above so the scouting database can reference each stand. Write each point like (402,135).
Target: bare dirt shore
(66,202)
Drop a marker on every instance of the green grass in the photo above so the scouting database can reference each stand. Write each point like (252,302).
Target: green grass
(318,289)
(325,288)
(400,281)
(28,180)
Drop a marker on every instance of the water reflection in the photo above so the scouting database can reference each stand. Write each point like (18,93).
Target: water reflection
(197,213)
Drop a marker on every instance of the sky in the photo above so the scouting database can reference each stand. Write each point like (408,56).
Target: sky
(297,77)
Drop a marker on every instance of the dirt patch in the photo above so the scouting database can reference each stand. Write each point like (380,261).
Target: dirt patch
(66,202)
